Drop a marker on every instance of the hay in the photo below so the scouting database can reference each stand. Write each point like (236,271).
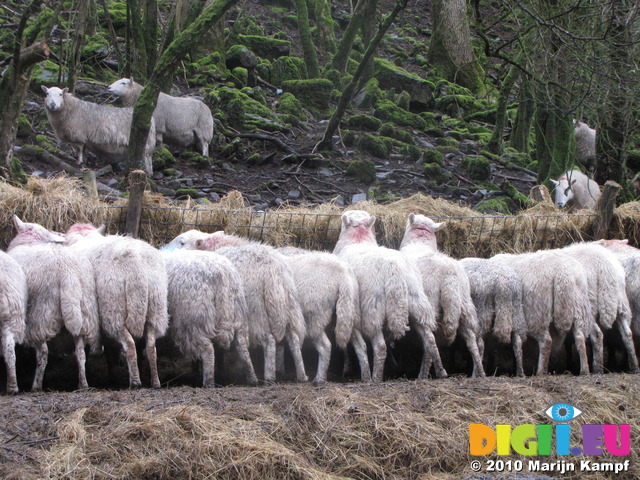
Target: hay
(626,223)
(399,429)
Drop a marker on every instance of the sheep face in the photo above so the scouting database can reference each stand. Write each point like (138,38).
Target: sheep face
(563,192)
(356,227)
(54,100)
(32,234)
(187,240)
(120,87)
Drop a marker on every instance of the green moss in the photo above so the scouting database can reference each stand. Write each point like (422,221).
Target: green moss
(170,172)
(24,126)
(391,76)
(45,73)
(240,76)
(447,142)
(364,170)
(381,195)
(43,141)
(96,47)
(434,132)
(370,94)
(403,100)
(533,166)
(118,14)
(500,205)
(291,110)
(349,138)
(512,192)
(196,160)
(410,151)
(444,87)
(16,171)
(516,158)
(388,111)
(315,92)
(239,109)
(287,68)
(491,156)
(478,168)
(266,47)
(390,130)
(187,192)
(335,77)
(446,149)
(379,147)
(162,158)
(436,174)
(458,105)
(207,70)
(433,156)
(363,122)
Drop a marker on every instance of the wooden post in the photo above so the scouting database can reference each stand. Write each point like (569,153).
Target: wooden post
(540,194)
(137,183)
(90,183)
(604,209)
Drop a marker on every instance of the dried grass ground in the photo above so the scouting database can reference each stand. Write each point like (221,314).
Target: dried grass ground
(398,429)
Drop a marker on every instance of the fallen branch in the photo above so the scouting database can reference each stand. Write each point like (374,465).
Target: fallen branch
(268,138)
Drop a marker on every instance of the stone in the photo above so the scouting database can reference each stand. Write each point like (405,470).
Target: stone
(358,197)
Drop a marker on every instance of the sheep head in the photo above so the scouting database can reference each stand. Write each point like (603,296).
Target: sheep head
(187,240)
(80,231)
(32,234)
(422,230)
(54,99)
(563,193)
(127,89)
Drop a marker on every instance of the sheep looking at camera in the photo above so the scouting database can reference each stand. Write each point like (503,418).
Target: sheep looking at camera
(180,121)
(445,283)
(576,190)
(99,128)
(391,293)
(206,302)
(272,304)
(131,286)
(13,311)
(62,293)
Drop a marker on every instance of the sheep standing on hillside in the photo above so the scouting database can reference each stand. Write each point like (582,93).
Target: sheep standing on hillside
(554,292)
(99,128)
(131,286)
(391,293)
(180,121)
(272,305)
(61,290)
(496,291)
(207,304)
(13,311)
(585,137)
(327,288)
(446,285)
(576,190)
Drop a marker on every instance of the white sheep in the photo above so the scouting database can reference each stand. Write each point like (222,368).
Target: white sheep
(13,311)
(555,293)
(131,286)
(496,291)
(100,128)
(62,293)
(206,302)
(180,121)
(445,283)
(391,293)
(585,137)
(327,288)
(272,305)
(576,190)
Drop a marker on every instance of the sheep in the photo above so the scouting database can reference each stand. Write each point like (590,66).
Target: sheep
(326,287)
(104,130)
(554,292)
(585,137)
(131,286)
(445,283)
(391,293)
(496,291)
(576,190)
(272,304)
(13,311)
(61,291)
(206,303)
(608,296)
(180,121)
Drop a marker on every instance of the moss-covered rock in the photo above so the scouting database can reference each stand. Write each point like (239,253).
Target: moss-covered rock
(363,122)
(458,105)
(390,130)
(266,47)
(410,151)
(187,192)
(207,70)
(436,174)
(447,142)
(241,111)
(349,138)
(46,73)
(291,110)
(433,156)
(241,56)
(368,95)
(390,112)
(196,160)
(364,170)
(315,92)
(379,147)
(515,158)
(403,100)
(391,76)
(287,68)
(478,168)
(499,205)
(170,172)
(16,171)
(118,13)
(24,126)
(162,159)
(240,77)
(95,48)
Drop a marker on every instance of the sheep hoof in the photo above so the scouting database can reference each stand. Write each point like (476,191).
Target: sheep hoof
(317,382)
(12,391)
(135,385)
(252,382)
(302,379)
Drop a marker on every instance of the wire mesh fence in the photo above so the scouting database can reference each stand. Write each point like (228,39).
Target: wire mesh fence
(464,236)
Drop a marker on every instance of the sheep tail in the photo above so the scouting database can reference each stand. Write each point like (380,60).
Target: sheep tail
(157,316)
(71,303)
(282,308)
(397,311)
(451,303)
(347,313)
(507,305)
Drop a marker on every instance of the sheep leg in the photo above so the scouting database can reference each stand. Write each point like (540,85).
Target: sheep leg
(152,357)
(379,356)
(9,354)
(294,345)
(360,347)
(472,344)
(544,347)
(579,339)
(596,344)
(129,349)
(42,356)
(323,346)
(280,370)
(270,359)
(208,357)
(81,359)
(627,339)
(243,351)
(430,353)
(516,341)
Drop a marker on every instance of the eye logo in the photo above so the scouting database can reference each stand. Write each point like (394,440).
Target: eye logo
(563,412)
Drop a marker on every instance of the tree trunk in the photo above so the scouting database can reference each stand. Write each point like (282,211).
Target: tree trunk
(368,32)
(326,37)
(450,51)
(150,34)
(75,49)
(162,75)
(554,134)
(135,38)
(308,48)
(495,143)
(522,125)
(341,58)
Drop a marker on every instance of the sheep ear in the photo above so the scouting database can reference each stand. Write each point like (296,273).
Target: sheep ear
(371,221)
(19,224)
(574,181)
(439,226)
(101,229)
(625,241)
(555,182)
(44,89)
(200,244)
(412,217)
(346,220)
(65,90)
